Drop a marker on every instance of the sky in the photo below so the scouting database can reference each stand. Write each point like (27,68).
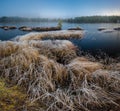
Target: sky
(58,8)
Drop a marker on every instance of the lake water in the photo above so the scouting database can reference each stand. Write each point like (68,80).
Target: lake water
(93,41)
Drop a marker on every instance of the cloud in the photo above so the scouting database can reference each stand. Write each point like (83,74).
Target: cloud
(111,12)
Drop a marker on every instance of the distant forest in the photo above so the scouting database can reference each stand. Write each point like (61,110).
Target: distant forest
(95,19)
(22,19)
(85,19)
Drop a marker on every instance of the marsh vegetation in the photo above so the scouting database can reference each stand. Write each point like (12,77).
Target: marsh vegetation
(53,75)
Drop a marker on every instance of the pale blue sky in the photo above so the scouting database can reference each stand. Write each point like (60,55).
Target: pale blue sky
(58,8)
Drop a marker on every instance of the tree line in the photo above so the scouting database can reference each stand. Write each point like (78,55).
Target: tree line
(23,19)
(84,19)
(95,19)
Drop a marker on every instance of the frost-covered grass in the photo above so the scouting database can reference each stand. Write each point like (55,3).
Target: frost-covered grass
(63,34)
(54,78)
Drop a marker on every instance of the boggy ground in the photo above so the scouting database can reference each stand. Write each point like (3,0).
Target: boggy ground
(48,75)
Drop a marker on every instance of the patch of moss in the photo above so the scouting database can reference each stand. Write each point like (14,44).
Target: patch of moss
(11,98)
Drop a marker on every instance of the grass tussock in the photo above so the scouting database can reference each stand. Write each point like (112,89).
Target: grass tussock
(55,79)
(60,50)
(82,63)
(64,34)
(23,58)
(7,48)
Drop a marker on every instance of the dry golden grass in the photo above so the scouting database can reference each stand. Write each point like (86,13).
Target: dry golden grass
(114,66)
(60,50)
(55,79)
(23,58)
(28,65)
(83,63)
(9,47)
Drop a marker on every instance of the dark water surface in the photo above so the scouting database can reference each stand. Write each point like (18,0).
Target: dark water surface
(93,41)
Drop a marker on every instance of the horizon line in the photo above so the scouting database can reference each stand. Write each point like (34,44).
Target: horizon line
(60,17)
